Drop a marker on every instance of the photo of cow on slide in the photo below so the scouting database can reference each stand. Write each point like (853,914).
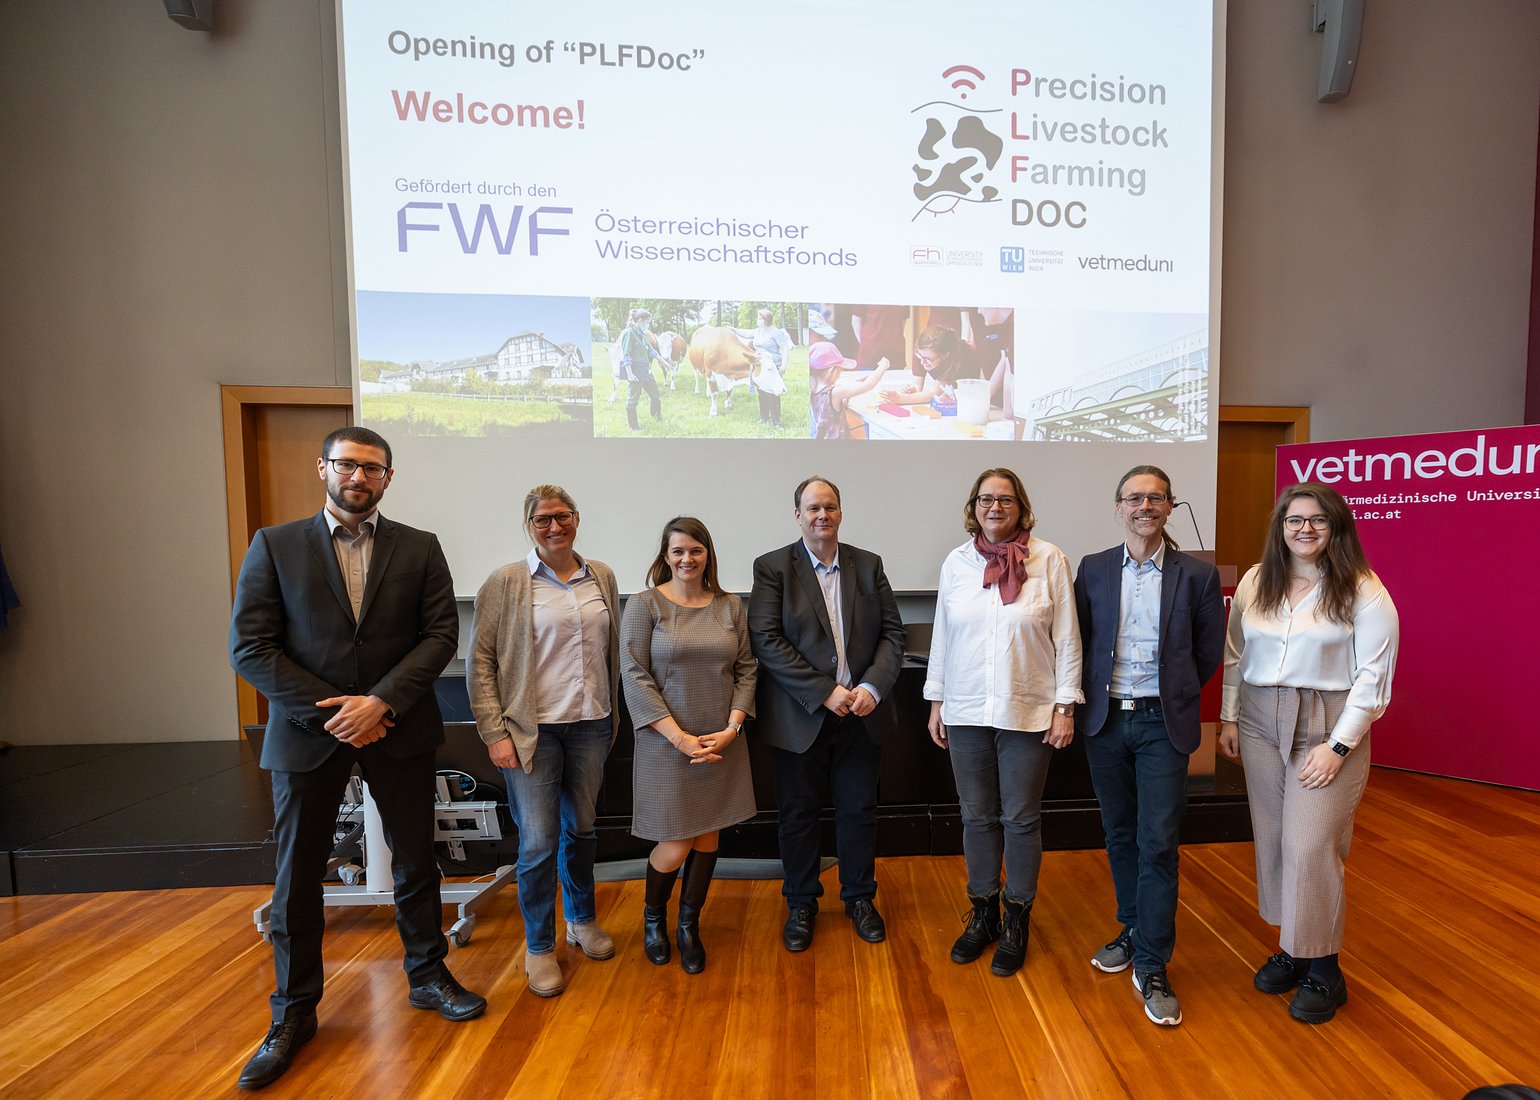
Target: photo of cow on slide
(679,368)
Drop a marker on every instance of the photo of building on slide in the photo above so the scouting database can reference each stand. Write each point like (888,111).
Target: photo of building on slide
(913,372)
(1090,377)
(682,369)
(474,364)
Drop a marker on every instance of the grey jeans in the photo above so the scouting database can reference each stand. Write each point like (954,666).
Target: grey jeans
(1000,777)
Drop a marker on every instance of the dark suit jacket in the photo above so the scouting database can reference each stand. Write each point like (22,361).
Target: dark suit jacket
(292,636)
(790,631)
(1192,628)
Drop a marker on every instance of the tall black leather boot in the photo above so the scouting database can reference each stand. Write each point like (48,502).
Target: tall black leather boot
(698,869)
(660,884)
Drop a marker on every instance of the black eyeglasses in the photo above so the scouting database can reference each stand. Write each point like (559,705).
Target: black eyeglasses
(1133,500)
(347,468)
(987,501)
(1317,523)
(545,521)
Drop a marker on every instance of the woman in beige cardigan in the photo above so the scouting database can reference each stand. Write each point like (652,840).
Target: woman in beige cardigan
(543,674)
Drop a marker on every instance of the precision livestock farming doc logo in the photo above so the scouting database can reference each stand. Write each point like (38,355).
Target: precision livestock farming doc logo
(957,151)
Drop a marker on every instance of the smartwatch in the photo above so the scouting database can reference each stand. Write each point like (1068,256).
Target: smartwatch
(1340,749)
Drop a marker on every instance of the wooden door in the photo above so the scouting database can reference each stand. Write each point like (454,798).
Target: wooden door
(272,438)
(1248,438)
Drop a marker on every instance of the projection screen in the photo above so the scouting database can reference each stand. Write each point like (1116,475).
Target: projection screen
(1001,219)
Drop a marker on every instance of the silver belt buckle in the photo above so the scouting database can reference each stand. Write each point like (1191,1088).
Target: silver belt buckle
(1128,704)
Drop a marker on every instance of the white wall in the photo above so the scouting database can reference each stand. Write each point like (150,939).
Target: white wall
(174,223)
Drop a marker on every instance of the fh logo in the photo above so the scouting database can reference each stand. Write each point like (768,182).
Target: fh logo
(925,255)
(1013,258)
(502,236)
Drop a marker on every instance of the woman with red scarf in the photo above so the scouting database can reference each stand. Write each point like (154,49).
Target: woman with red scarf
(1003,681)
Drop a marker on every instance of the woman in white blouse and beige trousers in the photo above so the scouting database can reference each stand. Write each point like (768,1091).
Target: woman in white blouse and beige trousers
(1309,655)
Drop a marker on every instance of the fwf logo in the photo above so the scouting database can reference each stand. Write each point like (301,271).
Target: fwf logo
(957,152)
(415,217)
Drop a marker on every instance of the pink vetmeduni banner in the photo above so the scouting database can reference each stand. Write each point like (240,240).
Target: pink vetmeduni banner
(1451,523)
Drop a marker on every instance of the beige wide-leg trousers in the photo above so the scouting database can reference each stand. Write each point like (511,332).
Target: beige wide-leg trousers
(1302,836)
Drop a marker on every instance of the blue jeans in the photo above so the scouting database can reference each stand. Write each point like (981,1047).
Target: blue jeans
(1000,777)
(553,807)
(1141,783)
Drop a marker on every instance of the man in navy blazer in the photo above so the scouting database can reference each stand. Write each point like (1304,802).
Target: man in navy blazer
(826,629)
(1152,634)
(344,621)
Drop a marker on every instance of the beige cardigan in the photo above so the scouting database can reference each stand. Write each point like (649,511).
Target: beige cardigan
(500,669)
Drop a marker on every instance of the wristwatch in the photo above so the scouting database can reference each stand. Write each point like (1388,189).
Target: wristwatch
(736,727)
(1066,709)
(1340,749)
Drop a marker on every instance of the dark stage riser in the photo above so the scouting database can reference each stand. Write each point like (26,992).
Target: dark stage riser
(77,818)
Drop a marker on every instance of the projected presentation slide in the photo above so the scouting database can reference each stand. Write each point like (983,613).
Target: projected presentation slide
(677,258)
(1052,163)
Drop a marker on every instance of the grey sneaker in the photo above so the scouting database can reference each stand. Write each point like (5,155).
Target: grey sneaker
(1115,957)
(1160,1004)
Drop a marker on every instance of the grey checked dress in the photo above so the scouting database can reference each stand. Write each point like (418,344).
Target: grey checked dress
(693,663)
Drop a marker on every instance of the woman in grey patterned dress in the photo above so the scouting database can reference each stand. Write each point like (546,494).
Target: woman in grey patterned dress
(689,681)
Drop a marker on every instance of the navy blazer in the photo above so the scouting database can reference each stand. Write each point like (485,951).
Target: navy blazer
(790,631)
(293,636)
(1192,628)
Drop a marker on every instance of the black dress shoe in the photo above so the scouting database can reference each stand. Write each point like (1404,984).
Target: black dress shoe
(798,933)
(1316,1000)
(449,999)
(272,1058)
(863,914)
(1280,973)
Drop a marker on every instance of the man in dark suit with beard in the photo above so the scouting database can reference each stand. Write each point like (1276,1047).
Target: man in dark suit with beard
(344,621)
(825,627)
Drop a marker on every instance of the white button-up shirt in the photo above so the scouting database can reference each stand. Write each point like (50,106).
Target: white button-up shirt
(1297,647)
(1004,665)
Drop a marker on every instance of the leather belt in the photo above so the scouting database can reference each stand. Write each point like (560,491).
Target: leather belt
(1150,703)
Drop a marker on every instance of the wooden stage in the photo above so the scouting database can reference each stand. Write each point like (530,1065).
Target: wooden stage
(164,993)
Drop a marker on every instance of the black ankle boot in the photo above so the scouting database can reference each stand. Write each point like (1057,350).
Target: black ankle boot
(698,870)
(1012,949)
(660,884)
(983,928)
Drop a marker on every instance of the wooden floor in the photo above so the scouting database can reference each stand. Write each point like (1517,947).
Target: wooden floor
(164,994)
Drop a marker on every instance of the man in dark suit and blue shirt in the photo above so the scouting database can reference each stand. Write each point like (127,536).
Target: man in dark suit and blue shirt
(825,627)
(1152,633)
(344,621)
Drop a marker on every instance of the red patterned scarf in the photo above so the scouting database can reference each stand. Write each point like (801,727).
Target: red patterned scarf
(1005,563)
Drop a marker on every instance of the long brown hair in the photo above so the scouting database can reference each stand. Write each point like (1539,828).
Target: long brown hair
(690,527)
(1027,519)
(1342,566)
(1151,471)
